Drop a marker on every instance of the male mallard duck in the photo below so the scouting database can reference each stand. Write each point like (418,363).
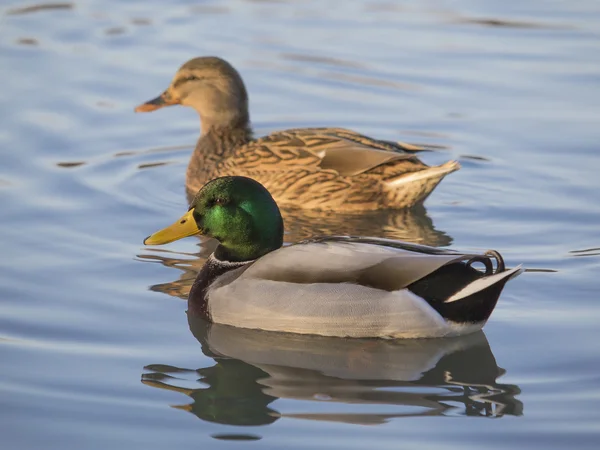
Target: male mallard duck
(332,286)
(322,168)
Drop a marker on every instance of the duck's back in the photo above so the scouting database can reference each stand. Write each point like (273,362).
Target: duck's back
(322,168)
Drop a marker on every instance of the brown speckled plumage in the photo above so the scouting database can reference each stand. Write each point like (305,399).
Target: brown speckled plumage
(317,168)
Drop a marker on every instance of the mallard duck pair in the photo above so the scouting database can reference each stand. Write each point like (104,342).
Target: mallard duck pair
(316,168)
(332,286)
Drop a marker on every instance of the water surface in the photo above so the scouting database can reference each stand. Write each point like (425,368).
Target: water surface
(95,344)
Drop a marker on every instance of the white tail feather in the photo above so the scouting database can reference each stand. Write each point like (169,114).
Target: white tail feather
(485,282)
(432,172)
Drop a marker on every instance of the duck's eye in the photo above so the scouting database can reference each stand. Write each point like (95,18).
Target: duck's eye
(219,201)
(185,79)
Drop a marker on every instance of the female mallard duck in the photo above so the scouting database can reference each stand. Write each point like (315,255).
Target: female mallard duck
(332,286)
(321,168)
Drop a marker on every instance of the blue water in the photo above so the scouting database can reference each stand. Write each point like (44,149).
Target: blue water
(95,345)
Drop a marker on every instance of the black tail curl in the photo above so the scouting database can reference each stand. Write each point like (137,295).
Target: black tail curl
(486,260)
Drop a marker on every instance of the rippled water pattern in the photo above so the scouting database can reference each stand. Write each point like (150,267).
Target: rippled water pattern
(95,345)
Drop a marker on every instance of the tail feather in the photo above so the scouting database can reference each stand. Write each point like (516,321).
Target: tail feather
(408,147)
(485,282)
(413,188)
(476,301)
(435,172)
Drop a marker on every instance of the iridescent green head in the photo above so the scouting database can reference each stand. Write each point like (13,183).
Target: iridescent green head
(237,211)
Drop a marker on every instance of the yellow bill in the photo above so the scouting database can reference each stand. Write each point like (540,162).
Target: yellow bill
(185,226)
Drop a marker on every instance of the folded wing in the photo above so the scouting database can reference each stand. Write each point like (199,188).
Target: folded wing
(353,287)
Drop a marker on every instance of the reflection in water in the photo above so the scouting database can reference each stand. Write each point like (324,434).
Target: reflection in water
(586,252)
(405,378)
(189,267)
(493,22)
(41,7)
(412,225)
(27,41)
